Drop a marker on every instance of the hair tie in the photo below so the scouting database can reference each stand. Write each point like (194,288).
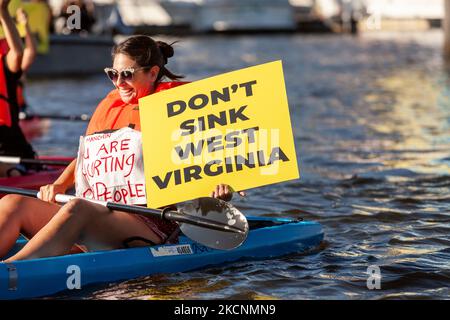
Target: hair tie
(166,50)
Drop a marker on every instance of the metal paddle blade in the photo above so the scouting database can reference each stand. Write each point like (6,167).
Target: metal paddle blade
(217,211)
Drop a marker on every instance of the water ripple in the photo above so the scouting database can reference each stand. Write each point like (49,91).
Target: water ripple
(371,122)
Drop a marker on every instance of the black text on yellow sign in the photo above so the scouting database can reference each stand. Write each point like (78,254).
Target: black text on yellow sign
(233,128)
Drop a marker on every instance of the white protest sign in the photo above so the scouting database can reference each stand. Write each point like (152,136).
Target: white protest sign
(110,167)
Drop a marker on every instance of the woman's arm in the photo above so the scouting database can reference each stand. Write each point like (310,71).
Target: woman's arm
(30,51)
(67,178)
(64,182)
(15,54)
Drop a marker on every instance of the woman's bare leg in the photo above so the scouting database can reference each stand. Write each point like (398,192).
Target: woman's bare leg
(83,222)
(19,214)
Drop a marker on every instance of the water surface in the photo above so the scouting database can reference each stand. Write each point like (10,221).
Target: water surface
(371,120)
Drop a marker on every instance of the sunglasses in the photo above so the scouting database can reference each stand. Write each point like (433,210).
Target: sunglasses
(126,74)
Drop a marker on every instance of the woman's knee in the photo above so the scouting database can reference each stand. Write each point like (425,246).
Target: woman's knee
(81,208)
(75,206)
(11,204)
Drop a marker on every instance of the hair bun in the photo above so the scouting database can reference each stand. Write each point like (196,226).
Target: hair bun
(166,50)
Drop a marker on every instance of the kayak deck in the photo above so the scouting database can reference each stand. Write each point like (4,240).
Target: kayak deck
(268,238)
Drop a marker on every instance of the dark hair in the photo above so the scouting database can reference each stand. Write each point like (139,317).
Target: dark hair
(147,53)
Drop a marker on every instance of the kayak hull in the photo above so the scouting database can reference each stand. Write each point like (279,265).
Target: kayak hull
(47,276)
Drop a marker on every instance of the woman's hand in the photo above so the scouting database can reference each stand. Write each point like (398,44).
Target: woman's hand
(21,16)
(48,193)
(225,192)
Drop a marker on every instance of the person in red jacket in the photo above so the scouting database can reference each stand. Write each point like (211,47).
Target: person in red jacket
(138,68)
(14,60)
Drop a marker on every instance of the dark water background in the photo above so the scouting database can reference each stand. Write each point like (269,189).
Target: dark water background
(371,119)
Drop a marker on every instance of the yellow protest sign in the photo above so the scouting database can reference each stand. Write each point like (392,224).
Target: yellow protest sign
(233,128)
(12,9)
(38,18)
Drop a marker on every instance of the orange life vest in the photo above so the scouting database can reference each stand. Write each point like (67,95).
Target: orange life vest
(112,113)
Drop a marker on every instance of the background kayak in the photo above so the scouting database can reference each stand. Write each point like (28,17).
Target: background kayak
(36,179)
(34,127)
(268,238)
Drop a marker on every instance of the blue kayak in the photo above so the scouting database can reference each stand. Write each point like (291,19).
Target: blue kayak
(267,238)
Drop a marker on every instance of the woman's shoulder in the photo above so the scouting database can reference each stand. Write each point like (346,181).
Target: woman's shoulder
(169,85)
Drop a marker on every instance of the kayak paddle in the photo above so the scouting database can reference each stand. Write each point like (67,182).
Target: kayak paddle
(209,221)
(220,212)
(18,160)
(81,117)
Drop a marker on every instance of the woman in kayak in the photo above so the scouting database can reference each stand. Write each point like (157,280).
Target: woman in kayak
(14,59)
(138,66)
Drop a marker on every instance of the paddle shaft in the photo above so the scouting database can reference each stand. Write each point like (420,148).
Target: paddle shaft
(81,117)
(26,116)
(161,214)
(18,160)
